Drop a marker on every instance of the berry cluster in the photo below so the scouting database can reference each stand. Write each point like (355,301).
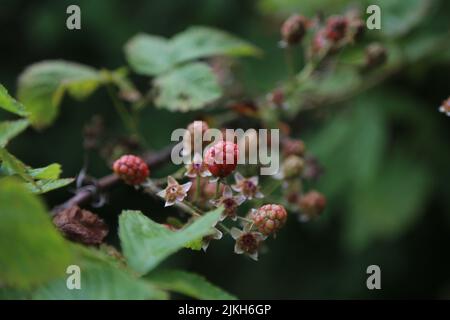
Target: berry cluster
(331,35)
(209,187)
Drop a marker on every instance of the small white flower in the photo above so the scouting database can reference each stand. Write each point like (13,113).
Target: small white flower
(247,242)
(197,168)
(216,234)
(229,202)
(174,191)
(247,186)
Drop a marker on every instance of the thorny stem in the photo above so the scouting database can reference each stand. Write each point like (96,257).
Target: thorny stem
(84,195)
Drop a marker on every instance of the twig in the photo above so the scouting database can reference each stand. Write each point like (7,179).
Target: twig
(84,195)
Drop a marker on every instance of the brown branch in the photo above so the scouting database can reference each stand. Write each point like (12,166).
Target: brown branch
(84,195)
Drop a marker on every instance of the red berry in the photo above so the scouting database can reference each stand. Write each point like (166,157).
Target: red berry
(270,218)
(131,169)
(221,158)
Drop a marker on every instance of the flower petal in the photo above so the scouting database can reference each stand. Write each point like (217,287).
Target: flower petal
(235,233)
(205,173)
(254,180)
(197,158)
(238,177)
(190,174)
(162,193)
(217,234)
(186,186)
(236,188)
(169,203)
(253,255)
(205,245)
(171,181)
(238,249)
(239,199)
(227,193)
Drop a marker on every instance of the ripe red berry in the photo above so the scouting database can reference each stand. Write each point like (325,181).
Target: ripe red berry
(221,158)
(131,169)
(270,218)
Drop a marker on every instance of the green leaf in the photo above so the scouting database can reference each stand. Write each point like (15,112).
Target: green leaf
(101,281)
(387,205)
(189,87)
(46,185)
(12,165)
(10,129)
(146,243)
(153,55)
(42,86)
(189,284)
(195,245)
(39,253)
(399,17)
(200,42)
(354,141)
(50,172)
(148,55)
(13,294)
(10,104)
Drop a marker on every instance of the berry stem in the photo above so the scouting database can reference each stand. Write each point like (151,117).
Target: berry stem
(224,228)
(244,219)
(289,58)
(274,185)
(197,188)
(217,189)
(152,189)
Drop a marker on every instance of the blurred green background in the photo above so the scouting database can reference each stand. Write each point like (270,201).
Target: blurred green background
(385,150)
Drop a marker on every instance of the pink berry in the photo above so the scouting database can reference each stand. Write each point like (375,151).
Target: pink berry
(269,219)
(131,169)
